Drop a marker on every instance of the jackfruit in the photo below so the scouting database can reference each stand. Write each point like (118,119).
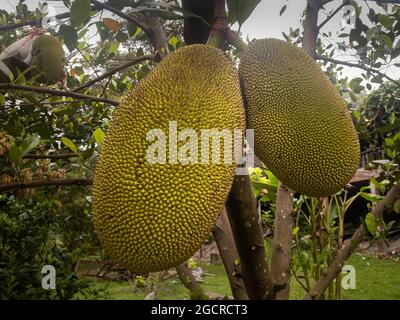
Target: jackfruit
(302,128)
(48,59)
(40,56)
(150,217)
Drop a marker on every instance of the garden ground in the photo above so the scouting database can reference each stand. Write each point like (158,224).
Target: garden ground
(375,279)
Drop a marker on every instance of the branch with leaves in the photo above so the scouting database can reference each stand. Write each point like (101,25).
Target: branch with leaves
(113,71)
(121,14)
(330,16)
(55,92)
(359,66)
(350,245)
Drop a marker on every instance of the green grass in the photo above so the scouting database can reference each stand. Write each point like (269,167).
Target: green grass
(375,279)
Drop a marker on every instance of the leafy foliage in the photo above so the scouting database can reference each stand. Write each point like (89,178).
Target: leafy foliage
(38,231)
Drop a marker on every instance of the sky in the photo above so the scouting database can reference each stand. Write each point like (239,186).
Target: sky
(265,22)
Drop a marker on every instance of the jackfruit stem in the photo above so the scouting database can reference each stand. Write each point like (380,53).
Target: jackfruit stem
(235,40)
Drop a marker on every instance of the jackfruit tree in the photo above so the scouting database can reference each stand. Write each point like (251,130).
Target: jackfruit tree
(103,110)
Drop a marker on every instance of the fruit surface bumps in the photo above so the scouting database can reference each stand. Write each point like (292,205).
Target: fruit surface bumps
(302,128)
(150,217)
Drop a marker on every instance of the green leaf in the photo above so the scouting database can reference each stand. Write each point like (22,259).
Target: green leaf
(386,21)
(389,142)
(121,37)
(371,197)
(370,222)
(132,28)
(2,100)
(231,11)
(30,142)
(304,258)
(388,41)
(396,206)
(283,9)
(98,135)
(355,85)
(356,7)
(295,230)
(69,35)
(68,143)
(378,185)
(113,47)
(244,9)
(80,12)
(14,153)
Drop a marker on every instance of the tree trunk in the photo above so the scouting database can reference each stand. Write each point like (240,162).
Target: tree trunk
(282,243)
(227,249)
(246,227)
(310,34)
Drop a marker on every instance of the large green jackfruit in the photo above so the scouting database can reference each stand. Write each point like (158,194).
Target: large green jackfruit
(150,217)
(302,128)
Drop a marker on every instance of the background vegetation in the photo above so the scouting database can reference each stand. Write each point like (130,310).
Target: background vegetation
(50,138)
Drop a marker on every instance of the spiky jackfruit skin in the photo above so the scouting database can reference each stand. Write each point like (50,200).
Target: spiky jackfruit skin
(153,217)
(302,128)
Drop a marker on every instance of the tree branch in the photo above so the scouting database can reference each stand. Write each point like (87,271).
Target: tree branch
(190,282)
(44,183)
(246,227)
(282,243)
(51,156)
(156,35)
(324,2)
(61,93)
(227,249)
(217,36)
(123,15)
(234,40)
(310,34)
(111,72)
(385,1)
(350,245)
(359,66)
(329,17)
(35,22)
